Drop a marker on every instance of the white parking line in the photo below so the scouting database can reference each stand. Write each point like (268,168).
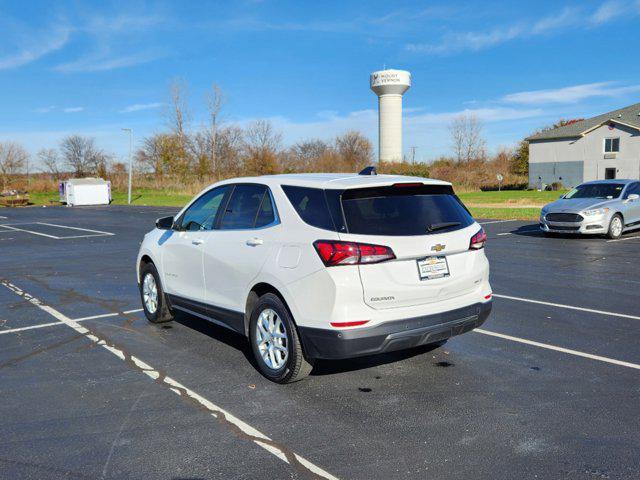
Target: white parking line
(569,307)
(3,218)
(75,228)
(93,233)
(497,221)
(246,431)
(559,349)
(30,231)
(624,239)
(53,324)
(505,233)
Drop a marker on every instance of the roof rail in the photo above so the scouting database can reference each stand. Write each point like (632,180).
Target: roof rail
(368,171)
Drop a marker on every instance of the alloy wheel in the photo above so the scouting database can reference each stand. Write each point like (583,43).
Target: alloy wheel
(271,339)
(150,293)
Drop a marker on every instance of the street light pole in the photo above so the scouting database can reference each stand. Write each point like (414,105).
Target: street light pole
(130,161)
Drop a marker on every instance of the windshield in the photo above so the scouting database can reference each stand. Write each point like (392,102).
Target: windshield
(596,190)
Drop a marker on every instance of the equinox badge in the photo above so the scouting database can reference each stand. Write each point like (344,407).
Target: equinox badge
(438,247)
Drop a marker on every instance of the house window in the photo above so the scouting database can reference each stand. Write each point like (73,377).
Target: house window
(611,145)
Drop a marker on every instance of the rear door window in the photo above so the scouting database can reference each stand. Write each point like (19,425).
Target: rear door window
(243,207)
(403,211)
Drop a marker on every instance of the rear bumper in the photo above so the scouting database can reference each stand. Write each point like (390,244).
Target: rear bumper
(391,336)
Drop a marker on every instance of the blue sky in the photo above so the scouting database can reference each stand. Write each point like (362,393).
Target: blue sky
(95,67)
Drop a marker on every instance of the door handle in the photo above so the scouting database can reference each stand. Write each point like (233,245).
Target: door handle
(254,242)
(197,241)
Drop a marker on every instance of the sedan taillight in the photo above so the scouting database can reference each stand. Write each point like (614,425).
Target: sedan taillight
(333,253)
(478,240)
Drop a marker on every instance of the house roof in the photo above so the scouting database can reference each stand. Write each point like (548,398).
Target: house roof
(628,116)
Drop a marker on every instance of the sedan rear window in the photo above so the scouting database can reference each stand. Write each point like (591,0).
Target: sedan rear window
(400,210)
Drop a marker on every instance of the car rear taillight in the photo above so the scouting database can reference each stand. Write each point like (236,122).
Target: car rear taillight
(478,240)
(333,252)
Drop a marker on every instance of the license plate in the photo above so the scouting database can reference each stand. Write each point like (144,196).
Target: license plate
(433,267)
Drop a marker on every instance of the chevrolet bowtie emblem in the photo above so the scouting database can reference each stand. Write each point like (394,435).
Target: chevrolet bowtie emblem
(437,248)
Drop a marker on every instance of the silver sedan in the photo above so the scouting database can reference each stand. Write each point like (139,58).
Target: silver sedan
(602,207)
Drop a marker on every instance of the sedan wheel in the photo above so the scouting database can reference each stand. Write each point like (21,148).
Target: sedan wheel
(615,227)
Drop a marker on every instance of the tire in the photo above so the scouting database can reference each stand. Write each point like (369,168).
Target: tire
(162,313)
(269,351)
(615,229)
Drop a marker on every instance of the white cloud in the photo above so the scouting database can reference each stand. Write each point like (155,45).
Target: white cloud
(136,107)
(73,109)
(102,61)
(32,45)
(114,42)
(571,94)
(608,11)
(569,18)
(45,109)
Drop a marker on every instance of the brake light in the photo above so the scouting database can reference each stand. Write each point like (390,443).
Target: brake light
(355,323)
(408,185)
(333,253)
(478,240)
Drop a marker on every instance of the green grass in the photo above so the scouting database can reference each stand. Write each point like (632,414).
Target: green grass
(143,196)
(510,197)
(151,197)
(506,213)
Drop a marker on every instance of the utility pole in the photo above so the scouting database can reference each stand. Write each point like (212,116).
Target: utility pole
(130,161)
(413,154)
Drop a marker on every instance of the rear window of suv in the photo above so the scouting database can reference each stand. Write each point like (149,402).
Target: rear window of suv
(393,210)
(402,210)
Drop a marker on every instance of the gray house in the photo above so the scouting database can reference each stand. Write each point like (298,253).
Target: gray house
(606,146)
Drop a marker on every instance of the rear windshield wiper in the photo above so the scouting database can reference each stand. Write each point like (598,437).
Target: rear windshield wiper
(432,227)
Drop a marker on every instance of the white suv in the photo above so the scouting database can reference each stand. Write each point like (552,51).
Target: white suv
(320,266)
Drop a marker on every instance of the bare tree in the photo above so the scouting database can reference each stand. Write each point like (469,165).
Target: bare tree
(229,145)
(50,160)
(354,149)
(160,154)
(262,146)
(466,137)
(215,101)
(82,156)
(306,155)
(13,159)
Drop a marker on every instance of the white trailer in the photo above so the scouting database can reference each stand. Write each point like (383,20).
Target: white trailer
(85,191)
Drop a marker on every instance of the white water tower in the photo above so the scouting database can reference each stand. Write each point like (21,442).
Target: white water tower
(390,85)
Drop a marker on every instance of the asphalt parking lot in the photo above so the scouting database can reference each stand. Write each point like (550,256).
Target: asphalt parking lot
(549,387)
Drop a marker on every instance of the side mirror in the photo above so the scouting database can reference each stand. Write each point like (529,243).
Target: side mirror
(633,197)
(164,223)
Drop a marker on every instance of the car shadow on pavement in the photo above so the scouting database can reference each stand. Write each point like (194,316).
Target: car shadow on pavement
(321,367)
(329,367)
(531,230)
(217,332)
